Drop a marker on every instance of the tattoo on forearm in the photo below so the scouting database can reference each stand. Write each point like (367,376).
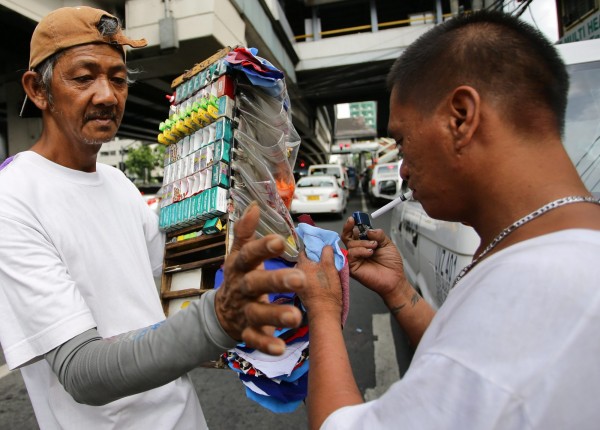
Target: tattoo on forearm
(413,301)
(397,309)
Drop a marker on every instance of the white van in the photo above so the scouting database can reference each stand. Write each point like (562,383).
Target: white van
(336,170)
(385,182)
(434,251)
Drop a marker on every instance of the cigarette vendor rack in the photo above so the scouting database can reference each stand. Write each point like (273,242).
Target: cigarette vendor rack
(230,141)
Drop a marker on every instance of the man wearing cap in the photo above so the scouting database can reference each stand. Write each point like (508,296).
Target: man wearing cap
(79,311)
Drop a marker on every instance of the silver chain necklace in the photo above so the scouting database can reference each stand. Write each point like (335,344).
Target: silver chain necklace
(508,230)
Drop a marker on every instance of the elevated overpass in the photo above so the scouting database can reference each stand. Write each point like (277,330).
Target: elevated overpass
(332,51)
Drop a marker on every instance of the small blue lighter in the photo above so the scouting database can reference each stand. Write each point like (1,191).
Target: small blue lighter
(363,222)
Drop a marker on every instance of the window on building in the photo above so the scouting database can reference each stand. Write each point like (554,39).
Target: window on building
(573,10)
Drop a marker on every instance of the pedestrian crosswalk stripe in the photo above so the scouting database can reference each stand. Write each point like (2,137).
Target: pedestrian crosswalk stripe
(4,371)
(386,363)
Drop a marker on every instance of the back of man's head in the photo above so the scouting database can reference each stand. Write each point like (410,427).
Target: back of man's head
(509,63)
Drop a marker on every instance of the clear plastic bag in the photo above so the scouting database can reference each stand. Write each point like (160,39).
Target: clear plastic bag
(271,111)
(274,162)
(268,137)
(254,182)
(265,146)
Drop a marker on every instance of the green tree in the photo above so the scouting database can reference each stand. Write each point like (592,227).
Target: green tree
(141,160)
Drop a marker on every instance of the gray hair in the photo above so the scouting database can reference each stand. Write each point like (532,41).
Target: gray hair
(108,25)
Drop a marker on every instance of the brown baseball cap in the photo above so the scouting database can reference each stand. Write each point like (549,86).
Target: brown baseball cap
(72,26)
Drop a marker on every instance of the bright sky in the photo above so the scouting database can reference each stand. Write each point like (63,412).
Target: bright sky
(343,110)
(540,13)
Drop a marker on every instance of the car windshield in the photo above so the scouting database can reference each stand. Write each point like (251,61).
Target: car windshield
(326,171)
(388,168)
(314,182)
(582,129)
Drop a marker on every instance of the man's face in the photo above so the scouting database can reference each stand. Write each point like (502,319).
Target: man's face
(426,164)
(89,89)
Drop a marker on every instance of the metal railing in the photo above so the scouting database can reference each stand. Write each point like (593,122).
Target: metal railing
(383,25)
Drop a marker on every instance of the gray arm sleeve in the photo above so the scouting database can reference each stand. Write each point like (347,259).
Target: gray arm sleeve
(97,371)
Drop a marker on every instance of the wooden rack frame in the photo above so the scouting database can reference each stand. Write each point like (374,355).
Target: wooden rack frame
(206,252)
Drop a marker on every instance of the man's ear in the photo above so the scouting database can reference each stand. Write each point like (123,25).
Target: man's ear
(34,90)
(464,106)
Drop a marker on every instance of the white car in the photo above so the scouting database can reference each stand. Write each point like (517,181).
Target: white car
(385,182)
(319,194)
(336,170)
(434,252)
(151,196)
(153,202)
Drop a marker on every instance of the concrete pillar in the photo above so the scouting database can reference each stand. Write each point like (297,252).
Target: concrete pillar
(374,21)
(316,23)
(454,7)
(439,16)
(3,148)
(22,132)
(488,4)
(477,4)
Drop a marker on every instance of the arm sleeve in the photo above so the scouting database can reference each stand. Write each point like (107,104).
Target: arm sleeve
(97,371)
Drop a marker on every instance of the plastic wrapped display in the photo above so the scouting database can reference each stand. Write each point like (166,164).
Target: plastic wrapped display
(231,142)
(253,182)
(271,221)
(203,129)
(272,111)
(269,142)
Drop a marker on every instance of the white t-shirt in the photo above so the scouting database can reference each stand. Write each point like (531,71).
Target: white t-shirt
(515,346)
(79,250)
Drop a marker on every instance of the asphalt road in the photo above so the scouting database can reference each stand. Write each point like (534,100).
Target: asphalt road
(376,360)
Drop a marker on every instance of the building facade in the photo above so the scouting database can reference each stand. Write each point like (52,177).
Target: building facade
(578,20)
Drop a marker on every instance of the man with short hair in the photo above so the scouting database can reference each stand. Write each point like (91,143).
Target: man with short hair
(478,106)
(79,311)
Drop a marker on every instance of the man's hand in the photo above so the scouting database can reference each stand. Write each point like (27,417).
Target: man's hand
(375,263)
(241,303)
(323,290)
